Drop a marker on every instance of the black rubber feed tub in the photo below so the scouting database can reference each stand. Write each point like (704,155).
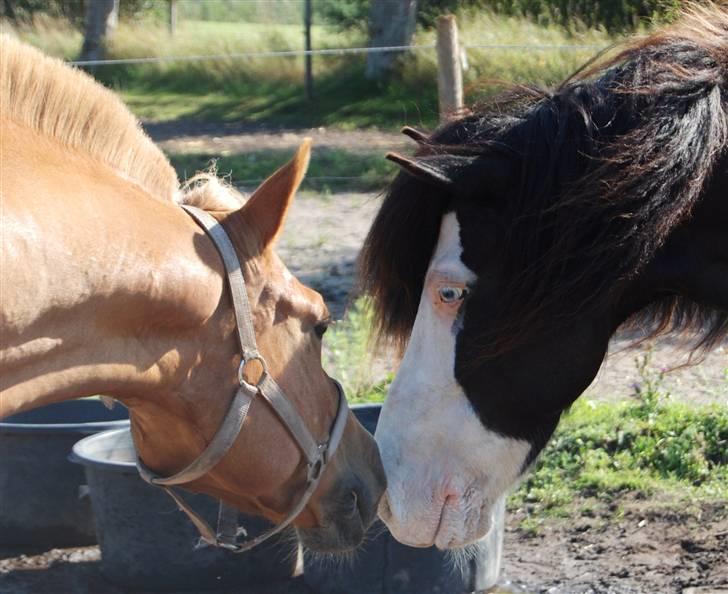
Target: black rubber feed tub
(385,566)
(42,499)
(147,544)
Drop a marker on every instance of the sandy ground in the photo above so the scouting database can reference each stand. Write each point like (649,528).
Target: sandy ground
(634,548)
(213,138)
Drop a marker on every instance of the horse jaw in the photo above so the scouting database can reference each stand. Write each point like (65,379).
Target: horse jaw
(445,470)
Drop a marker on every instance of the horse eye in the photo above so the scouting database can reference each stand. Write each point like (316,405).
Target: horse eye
(452,294)
(321,328)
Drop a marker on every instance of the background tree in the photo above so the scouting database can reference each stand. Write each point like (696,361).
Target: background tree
(102,16)
(391,23)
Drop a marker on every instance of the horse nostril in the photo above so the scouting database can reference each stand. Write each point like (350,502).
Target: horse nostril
(354,505)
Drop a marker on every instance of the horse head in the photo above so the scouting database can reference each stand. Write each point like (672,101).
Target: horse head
(517,240)
(265,471)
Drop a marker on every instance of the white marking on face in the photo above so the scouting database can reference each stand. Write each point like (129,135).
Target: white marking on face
(445,470)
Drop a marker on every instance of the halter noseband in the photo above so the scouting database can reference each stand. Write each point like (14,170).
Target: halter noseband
(317,454)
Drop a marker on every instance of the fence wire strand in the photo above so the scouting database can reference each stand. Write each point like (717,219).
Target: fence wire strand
(342,51)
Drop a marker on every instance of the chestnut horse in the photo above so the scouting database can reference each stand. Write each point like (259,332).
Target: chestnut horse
(514,244)
(109,287)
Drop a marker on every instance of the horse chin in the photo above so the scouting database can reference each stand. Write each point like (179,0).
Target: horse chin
(466,530)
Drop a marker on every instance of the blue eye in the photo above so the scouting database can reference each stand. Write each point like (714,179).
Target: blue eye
(452,294)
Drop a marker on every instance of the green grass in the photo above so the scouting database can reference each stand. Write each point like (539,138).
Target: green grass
(348,355)
(271,90)
(647,445)
(329,169)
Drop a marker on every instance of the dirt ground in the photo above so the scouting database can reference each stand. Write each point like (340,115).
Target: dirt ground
(626,547)
(224,139)
(632,547)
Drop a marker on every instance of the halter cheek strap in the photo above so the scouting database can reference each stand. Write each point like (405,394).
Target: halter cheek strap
(317,455)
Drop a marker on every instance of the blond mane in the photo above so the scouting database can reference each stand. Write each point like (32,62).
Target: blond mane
(64,103)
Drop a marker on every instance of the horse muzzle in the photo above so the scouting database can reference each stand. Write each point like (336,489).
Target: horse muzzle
(348,507)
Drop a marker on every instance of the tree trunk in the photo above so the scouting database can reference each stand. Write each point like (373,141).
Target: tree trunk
(102,17)
(172,21)
(391,23)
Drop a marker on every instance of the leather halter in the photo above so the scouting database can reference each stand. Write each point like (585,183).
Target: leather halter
(317,455)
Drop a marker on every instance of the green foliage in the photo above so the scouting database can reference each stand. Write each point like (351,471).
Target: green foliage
(250,11)
(647,444)
(72,10)
(354,14)
(347,355)
(343,14)
(624,15)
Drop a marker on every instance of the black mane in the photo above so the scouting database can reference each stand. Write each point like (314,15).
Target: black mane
(592,179)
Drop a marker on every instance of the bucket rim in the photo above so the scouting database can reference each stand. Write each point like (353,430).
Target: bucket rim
(80,455)
(74,410)
(44,428)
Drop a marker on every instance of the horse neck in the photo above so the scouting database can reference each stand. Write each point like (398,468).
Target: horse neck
(693,262)
(124,300)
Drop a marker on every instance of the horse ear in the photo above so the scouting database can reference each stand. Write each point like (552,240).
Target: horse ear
(419,137)
(267,208)
(462,174)
(423,168)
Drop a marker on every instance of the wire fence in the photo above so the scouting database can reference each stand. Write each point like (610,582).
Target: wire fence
(364,182)
(342,51)
(324,180)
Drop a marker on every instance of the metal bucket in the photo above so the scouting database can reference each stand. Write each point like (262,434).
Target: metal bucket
(41,499)
(387,566)
(147,544)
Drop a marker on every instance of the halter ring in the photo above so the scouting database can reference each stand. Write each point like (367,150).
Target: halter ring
(255,356)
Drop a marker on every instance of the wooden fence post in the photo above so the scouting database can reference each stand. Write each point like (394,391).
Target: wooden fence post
(449,67)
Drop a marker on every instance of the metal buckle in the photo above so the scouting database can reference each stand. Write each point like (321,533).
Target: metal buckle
(316,467)
(235,548)
(248,358)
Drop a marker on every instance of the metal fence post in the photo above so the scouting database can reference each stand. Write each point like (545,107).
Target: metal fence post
(307,18)
(449,67)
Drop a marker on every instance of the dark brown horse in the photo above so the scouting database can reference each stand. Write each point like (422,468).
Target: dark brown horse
(516,242)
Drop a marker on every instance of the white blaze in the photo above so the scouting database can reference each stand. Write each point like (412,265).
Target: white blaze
(444,469)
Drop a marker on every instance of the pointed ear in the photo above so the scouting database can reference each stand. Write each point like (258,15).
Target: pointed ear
(462,174)
(423,169)
(443,171)
(266,209)
(416,135)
